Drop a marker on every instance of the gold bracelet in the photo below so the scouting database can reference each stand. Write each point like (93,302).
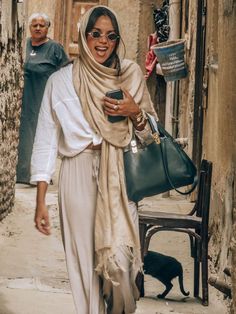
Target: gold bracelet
(138,117)
(142,120)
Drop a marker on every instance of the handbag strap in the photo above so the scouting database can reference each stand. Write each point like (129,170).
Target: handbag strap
(164,159)
(155,134)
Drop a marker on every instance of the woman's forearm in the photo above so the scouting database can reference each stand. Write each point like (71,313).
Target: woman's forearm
(41,192)
(41,218)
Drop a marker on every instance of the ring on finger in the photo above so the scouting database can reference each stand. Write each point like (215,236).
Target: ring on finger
(117,102)
(116,107)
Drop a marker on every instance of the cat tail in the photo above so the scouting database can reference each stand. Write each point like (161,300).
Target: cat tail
(181,284)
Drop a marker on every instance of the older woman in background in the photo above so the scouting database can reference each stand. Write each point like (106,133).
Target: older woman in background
(43,57)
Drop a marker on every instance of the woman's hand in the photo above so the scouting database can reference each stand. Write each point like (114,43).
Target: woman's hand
(41,218)
(124,107)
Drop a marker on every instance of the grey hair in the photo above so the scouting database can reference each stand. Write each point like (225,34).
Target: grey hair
(37,15)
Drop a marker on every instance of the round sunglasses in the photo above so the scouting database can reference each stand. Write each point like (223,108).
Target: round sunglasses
(111,36)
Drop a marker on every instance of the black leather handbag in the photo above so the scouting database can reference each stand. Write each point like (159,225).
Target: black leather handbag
(157,167)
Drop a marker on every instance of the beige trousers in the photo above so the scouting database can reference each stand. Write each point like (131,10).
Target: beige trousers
(77,201)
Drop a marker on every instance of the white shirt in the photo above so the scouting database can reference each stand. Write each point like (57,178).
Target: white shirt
(62,128)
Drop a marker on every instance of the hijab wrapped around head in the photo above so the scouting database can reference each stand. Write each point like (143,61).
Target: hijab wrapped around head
(114,227)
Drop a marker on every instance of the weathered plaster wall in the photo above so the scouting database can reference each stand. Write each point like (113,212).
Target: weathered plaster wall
(219,141)
(219,134)
(128,14)
(219,110)
(11,31)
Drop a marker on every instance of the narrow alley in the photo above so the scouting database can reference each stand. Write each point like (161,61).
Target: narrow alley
(192,95)
(33,277)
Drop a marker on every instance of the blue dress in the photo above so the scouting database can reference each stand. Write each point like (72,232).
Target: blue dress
(41,61)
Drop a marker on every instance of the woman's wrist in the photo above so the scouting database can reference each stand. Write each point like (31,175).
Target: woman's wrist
(135,117)
(139,120)
(41,193)
(136,114)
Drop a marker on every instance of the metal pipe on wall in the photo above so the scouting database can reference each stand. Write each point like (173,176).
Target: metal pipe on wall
(174,22)
(200,61)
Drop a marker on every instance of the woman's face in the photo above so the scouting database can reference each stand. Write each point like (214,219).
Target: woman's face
(102,47)
(38,29)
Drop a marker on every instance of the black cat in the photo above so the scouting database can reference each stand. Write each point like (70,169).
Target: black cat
(164,268)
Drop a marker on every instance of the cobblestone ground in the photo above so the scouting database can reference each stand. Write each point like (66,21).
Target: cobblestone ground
(33,277)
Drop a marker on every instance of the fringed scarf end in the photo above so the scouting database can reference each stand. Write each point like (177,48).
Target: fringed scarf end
(108,264)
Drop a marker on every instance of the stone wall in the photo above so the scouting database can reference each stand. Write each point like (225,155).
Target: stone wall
(11,32)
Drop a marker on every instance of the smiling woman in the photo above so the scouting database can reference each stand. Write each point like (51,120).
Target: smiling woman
(103,38)
(98,40)
(99,223)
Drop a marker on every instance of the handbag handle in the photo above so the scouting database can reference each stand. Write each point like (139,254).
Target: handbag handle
(156,135)
(164,159)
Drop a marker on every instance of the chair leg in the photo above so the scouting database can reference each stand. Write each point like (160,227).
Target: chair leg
(192,241)
(205,294)
(140,284)
(196,269)
(140,276)
(142,235)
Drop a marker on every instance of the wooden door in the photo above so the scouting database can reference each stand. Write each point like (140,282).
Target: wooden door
(67,16)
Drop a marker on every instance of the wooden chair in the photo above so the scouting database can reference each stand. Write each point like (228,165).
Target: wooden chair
(195,224)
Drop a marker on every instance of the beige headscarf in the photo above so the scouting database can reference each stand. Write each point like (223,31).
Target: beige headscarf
(114,228)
